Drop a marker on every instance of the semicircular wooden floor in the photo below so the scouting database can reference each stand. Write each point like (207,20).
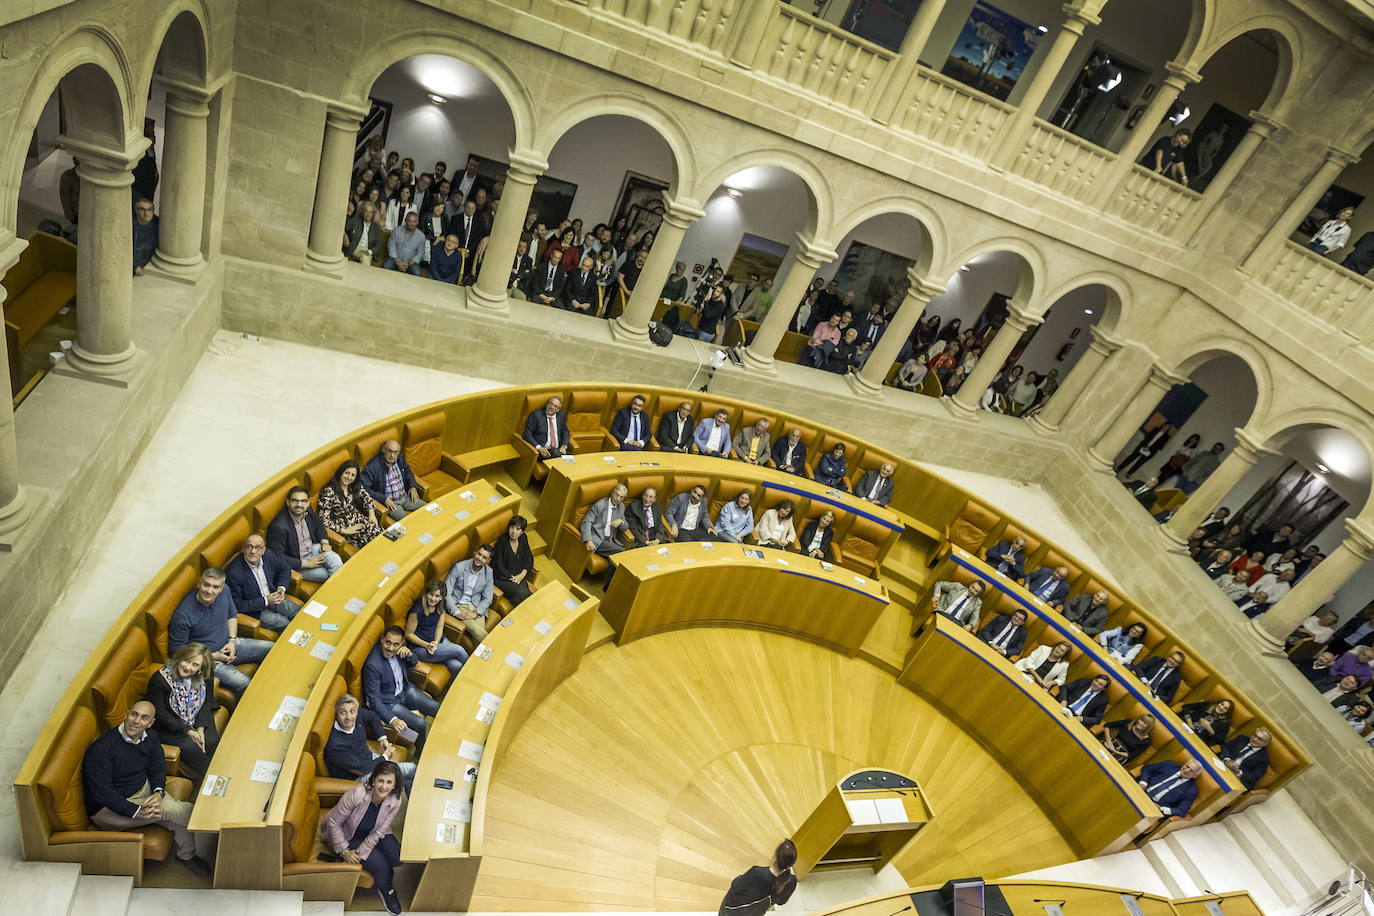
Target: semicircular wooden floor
(662,769)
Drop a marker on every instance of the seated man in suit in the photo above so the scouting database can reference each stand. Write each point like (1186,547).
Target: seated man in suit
(1253,604)
(603,521)
(630,428)
(875,486)
(1086,699)
(644,519)
(1172,787)
(789,454)
(961,603)
(675,429)
(712,436)
(1050,585)
(751,444)
(388,479)
(1248,757)
(347,754)
(579,292)
(1009,557)
(689,516)
(1161,675)
(1088,612)
(1144,490)
(547,430)
(545,284)
(1006,634)
(388,692)
(521,267)
(298,536)
(206,615)
(258,580)
(1318,670)
(469,585)
(124,779)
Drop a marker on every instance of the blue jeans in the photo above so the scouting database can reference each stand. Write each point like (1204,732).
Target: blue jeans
(279,618)
(245,652)
(407,506)
(390,264)
(448,654)
(332,564)
(411,698)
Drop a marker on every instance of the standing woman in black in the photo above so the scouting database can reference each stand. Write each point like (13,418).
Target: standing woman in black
(512,562)
(764,886)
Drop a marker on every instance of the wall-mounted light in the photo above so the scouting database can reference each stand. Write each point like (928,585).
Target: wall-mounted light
(1322,469)
(736,193)
(437,99)
(963,267)
(1178,113)
(1042,29)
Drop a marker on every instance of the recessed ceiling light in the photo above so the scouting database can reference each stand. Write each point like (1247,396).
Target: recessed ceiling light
(1321,468)
(437,99)
(963,267)
(1042,29)
(736,193)
(1087,311)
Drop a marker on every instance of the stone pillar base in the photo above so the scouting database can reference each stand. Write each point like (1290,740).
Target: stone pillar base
(1169,540)
(111,369)
(332,268)
(1098,463)
(755,363)
(12,519)
(626,332)
(1263,640)
(182,270)
(480,301)
(1044,427)
(959,410)
(863,387)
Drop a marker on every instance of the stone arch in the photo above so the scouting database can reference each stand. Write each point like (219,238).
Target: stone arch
(1289,44)
(1277,431)
(931,227)
(1032,269)
(821,218)
(1193,358)
(1199,23)
(409,44)
(625,105)
(1118,294)
(181,46)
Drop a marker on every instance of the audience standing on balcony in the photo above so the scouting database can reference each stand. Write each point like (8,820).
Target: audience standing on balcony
(1333,234)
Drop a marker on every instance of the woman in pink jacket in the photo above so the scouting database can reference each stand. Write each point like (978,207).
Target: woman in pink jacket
(358,830)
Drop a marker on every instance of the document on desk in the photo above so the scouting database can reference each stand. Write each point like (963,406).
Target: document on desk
(458,810)
(265,771)
(215,786)
(891,810)
(448,833)
(314,609)
(515,660)
(543,627)
(862,810)
(354,605)
(489,699)
(322,651)
(470,750)
(300,638)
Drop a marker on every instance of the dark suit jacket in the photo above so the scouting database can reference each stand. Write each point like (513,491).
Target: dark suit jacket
(356,228)
(1168,683)
(373,476)
(996,626)
(281,536)
(1146,499)
(1079,610)
(536,428)
(1321,678)
(674,432)
(643,531)
(620,429)
(866,482)
(798,460)
(1252,768)
(469,237)
(379,687)
(1073,691)
(1178,799)
(537,284)
(243,586)
(1037,580)
(1016,568)
(580,288)
(827,536)
(520,272)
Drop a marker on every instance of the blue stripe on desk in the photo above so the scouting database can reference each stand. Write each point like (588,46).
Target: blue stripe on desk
(807,575)
(847,507)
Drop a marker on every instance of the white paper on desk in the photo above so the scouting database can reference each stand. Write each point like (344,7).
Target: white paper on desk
(493,499)
(568,459)
(433,508)
(467,496)
(860,580)
(448,833)
(490,699)
(458,810)
(726,559)
(570,604)
(707,545)
(663,551)
(354,605)
(862,810)
(483,652)
(265,771)
(389,568)
(461,514)
(425,538)
(215,785)
(314,609)
(689,559)
(515,660)
(609,459)
(281,722)
(890,810)
(292,706)
(652,567)
(470,750)
(485,714)
(826,566)
(385,580)
(300,638)
(322,651)
(543,627)
(470,773)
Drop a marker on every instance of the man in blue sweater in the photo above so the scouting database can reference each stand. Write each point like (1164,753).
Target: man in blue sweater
(347,754)
(124,779)
(207,616)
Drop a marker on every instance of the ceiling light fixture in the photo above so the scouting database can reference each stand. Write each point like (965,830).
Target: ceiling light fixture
(1042,29)
(1178,113)
(963,267)
(437,99)
(736,193)
(1087,311)
(1321,468)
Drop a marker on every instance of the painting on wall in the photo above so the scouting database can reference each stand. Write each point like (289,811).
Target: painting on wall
(1178,404)
(641,203)
(992,51)
(1332,202)
(1294,496)
(875,275)
(1215,139)
(756,255)
(552,198)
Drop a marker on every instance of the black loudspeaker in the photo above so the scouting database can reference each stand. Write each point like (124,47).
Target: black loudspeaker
(963,897)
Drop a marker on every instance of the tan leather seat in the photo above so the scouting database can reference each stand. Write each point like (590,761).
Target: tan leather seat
(972,529)
(300,832)
(423,441)
(859,549)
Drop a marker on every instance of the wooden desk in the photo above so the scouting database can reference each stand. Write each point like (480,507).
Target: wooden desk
(1088,899)
(1095,803)
(722,584)
(1218,786)
(438,821)
(261,728)
(857,827)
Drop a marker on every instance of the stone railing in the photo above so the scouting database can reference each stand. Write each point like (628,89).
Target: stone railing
(1317,286)
(953,115)
(1151,202)
(823,59)
(1064,163)
(698,22)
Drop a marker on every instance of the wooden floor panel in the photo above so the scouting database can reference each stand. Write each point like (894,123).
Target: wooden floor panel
(665,767)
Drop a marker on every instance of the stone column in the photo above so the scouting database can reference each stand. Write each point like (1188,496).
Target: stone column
(964,403)
(1137,410)
(14,505)
(183,182)
(1336,162)
(896,93)
(325,254)
(1079,378)
(869,381)
(1013,134)
(1177,80)
(1312,591)
(633,324)
(490,292)
(104,261)
(749,31)
(810,256)
(1247,453)
(1261,127)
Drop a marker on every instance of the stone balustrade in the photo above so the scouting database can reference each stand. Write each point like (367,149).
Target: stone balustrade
(1323,289)
(1152,203)
(822,59)
(1063,162)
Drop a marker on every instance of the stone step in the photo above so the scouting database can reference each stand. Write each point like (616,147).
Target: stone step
(1293,839)
(44,887)
(102,895)
(159,901)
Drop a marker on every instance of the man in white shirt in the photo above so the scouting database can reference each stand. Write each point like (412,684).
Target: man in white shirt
(689,516)
(469,597)
(1275,585)
(712,436)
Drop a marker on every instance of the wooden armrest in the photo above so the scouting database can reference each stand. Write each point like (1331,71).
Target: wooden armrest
(331,789)
(317,868)
(171,756)
(93,836)
(450,467)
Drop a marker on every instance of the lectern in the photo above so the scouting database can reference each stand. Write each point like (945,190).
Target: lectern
(863,821)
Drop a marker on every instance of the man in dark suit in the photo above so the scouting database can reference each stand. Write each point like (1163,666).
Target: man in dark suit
(1253,604)
(471,229)
(1006,634)
(1317,670)
(1085,699)
(1161,675)
(579,292)
(521,267)
(386,689)
(1172,787)
(258,579)
(875,486)
(547,430)
(630,428)
(1009,557)
(1144,490)
(1248,757)
(299,537)
(675,429)
(789,454)
(388,479)
(1216,522)
(1050,585)
(1271,541)
(1356,631)
(1089,612)
(644,518)
(545,284)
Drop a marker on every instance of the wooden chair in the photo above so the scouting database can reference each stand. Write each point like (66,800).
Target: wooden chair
(423,442)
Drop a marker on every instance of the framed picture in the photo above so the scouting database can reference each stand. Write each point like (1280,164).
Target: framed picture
(552,198)
(1215,139)
(875,275)
(992,51)
(641,203)
(1332,202)
(756,255)
(1148,93)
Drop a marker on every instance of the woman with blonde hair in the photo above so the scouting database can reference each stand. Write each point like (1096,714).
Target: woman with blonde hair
(183,697)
